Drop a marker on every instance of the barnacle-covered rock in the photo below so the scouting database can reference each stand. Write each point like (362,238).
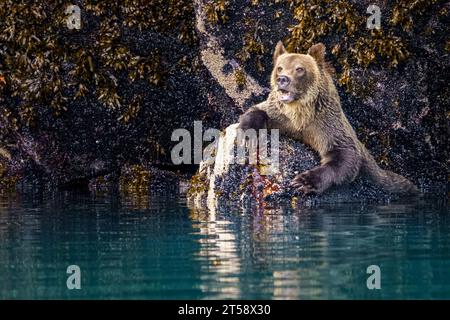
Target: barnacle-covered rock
(77,105)
(136,180)
(80,104)
(222,180)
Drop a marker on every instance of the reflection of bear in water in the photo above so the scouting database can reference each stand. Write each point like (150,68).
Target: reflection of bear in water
(305,105)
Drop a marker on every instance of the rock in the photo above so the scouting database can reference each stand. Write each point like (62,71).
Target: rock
(137,179)
(223,181)
(52,143)
(208,60)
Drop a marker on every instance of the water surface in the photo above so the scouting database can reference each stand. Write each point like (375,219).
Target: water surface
(157,248)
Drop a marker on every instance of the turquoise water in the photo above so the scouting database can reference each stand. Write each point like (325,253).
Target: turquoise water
(156,248)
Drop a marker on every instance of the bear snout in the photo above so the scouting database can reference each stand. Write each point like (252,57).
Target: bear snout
(283,82)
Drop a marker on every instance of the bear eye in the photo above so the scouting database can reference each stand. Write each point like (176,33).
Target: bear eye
(300,69)
(279,69)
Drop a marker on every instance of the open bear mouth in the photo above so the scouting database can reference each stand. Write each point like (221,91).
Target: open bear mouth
(286,96)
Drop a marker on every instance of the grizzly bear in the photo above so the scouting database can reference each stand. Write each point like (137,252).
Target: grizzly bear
(304,104)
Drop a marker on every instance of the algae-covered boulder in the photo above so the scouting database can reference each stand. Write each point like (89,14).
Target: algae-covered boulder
(222,179)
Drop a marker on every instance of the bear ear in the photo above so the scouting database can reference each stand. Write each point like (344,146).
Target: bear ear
(279,50)
(317,51)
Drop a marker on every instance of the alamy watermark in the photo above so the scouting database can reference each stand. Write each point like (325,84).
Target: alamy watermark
(236,145)
(374,280)
(74,280)
(74,19)
(374,21)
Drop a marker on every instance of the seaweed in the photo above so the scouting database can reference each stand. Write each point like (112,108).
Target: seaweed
(134,180)
(356,46)
(37,48)
(404,12)
(7,181)
(240,78)
(198,185)
(216,11)
(132,111)
(252,45)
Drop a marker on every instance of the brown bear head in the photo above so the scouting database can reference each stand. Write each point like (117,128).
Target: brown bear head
(296,77)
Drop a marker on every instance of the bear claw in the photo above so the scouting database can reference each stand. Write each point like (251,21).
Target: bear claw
(306,182)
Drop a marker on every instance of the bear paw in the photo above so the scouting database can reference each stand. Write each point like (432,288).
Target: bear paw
(309,182)
(255,119)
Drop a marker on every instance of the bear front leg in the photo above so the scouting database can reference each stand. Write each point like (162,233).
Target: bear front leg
(253,119)
(338,165)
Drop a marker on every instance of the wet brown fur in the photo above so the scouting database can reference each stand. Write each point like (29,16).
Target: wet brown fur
(316,118)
